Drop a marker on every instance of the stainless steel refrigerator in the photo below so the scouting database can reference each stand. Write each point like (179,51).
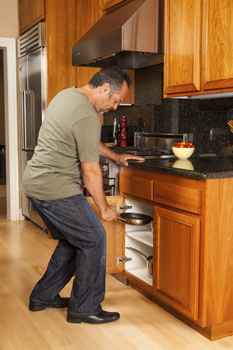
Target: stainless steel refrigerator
(33,92)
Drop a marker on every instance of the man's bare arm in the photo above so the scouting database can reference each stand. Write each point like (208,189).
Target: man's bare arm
(93,181)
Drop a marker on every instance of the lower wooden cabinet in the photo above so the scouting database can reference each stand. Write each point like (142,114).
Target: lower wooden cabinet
(176,251)
(192,247)
(115,238)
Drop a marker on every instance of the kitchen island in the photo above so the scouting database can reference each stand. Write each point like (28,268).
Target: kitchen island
(192,242)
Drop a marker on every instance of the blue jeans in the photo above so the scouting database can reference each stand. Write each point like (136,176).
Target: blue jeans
(81,248)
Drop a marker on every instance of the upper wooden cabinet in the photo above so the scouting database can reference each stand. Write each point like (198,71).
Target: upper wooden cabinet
(217,45)
(88,13)
(60,37)
(31,12)
(111,4)
(24,16)
(198,47)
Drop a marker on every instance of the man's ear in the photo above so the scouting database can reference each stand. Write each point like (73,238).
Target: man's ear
(105,88)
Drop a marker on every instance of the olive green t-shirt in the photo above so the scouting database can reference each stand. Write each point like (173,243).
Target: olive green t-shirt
(70,134)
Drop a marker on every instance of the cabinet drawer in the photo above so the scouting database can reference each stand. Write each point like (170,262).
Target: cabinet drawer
(180,197)
(136,186)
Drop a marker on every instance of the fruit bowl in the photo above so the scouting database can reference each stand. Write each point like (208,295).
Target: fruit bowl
(183,153)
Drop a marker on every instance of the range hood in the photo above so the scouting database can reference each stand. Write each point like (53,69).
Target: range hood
(130,37)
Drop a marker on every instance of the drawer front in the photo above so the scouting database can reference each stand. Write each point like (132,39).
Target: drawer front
(180,197)
(136,186)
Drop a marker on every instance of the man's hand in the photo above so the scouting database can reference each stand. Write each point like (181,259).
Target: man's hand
(109,214)
(122,158)
(119,158)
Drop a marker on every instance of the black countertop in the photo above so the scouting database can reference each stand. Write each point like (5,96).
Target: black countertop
(204,167)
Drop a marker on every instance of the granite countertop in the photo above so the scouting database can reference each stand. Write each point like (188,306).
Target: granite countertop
(203,166)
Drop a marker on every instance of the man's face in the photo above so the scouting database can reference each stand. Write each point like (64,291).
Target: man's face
(108,102)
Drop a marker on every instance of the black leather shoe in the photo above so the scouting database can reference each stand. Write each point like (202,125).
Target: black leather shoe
(103,317)
(58,304)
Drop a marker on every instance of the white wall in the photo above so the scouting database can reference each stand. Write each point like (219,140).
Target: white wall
(2,116)
(9,23)
(9,31)
(9,28)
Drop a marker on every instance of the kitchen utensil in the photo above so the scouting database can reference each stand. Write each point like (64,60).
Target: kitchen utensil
(149,260)
(230,115)
(135,219)
(230,123)
(230,120)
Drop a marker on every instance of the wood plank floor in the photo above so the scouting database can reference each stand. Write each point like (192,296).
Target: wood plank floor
(2,200)
(24,254)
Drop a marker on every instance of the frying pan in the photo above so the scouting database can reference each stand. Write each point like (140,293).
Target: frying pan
(135,219)
(149,260)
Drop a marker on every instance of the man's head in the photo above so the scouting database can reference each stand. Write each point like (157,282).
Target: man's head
(113,84)
(115,76)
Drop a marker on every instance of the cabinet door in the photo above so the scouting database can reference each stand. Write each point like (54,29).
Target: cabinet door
(115,237)
(130,97)
(111,4)
(176,272)
(60,37)
(88,13)
(24,16)
(217,70)
(182,56)
(37,11)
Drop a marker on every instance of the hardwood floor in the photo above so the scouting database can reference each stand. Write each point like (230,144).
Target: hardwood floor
(24,253)
(2,200)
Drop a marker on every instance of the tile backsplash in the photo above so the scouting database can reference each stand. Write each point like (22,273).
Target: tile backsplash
(202,118)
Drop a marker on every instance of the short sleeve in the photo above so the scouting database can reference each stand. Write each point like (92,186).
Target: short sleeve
(87,133)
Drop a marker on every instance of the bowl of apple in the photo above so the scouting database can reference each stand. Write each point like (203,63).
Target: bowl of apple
(183,150)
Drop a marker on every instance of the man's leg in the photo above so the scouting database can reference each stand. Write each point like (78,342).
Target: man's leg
(74,219)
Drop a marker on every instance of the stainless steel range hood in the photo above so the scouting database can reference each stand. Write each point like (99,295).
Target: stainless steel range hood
(130,37)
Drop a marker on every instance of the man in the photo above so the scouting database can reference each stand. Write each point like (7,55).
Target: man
(65,158)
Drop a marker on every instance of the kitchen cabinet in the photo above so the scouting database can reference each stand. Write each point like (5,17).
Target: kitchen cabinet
(111,4)
(66,22)
(31,12)
(60,24)
(88,13)
(176,278)
(176,235)
(198,47)
(24,15)
(60,37)
(141,239)
(115,239)
(192,246)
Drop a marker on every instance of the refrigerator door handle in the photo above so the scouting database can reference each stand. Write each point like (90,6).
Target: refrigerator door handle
(23,118)
(31,141)
(27,120)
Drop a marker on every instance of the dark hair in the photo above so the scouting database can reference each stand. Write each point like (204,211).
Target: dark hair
(113,75)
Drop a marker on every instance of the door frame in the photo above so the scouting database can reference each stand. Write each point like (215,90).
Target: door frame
(11,127)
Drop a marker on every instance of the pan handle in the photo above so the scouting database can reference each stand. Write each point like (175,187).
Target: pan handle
(121,219)
(137,251)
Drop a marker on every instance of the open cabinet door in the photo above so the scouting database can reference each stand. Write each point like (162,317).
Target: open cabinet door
(115,236)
